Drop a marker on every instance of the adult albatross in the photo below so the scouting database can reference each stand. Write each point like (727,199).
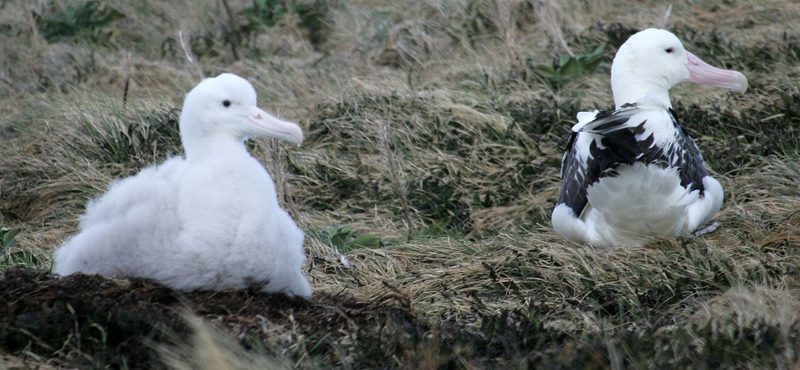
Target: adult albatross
(634,174)
(209,221)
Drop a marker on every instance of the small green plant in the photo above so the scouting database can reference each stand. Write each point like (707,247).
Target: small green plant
(261,15)
(265,14)
(7,237)
(569,68)
(19,257)
(87,21)
(345,240)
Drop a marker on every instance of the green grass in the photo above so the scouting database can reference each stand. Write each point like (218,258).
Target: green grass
(85,21)
(434,134)
(343,239)
(10,256)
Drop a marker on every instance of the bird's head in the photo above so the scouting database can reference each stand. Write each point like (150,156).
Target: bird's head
(224,108)
(654,60)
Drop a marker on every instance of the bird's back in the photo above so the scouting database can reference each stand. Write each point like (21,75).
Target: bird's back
(120,228)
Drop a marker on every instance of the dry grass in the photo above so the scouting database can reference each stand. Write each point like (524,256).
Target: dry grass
(427,127)
(212,349)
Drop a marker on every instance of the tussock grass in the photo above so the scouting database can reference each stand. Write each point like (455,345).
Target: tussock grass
(430,132)
(79,153)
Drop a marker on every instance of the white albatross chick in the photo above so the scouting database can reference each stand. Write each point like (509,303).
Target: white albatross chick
(634,174)
(209,221)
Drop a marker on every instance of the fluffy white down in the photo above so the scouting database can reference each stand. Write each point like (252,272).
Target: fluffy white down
(641,203)
(207,222)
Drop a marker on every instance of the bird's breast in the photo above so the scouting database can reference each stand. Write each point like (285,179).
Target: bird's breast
(224,192)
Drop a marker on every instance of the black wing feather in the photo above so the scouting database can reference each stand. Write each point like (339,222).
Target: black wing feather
(687,157)
(576,176)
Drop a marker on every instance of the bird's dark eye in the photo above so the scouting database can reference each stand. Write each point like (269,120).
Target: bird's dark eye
(226,103)
(669,50)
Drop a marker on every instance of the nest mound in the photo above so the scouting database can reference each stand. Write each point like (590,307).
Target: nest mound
(118,321)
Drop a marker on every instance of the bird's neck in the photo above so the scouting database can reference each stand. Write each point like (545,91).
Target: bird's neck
(628,86)
(199,148)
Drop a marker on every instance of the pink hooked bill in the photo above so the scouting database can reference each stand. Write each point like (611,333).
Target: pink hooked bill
(704,74)
(263,124)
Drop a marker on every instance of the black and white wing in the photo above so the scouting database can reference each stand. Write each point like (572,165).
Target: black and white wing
(633,133)
(684,154)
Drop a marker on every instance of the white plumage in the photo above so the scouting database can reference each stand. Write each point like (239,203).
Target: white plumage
(209,221)
(633,174)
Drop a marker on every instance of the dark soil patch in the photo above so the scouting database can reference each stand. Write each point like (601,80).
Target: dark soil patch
(96,322)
